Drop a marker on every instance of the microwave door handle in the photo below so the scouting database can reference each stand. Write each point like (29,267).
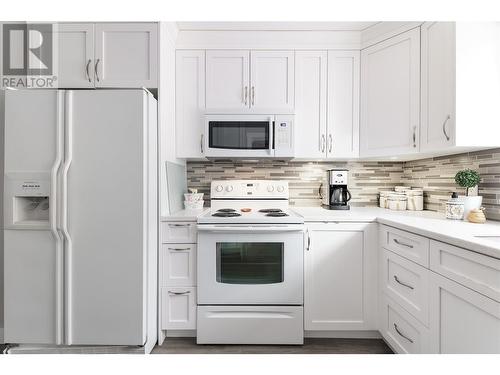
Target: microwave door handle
(271,136)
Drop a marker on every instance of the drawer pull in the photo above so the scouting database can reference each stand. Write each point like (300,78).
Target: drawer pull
(179,248)
(402,243)
(178,225)
(400,334)
(179,293)
(399,282)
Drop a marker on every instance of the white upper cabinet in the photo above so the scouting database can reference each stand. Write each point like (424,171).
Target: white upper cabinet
(228,80)
(272,81)
(76,55)
(340,277)
(126,55)
(310,104)
(438,86)
(189,103)
(390,96)
(249,81)
(343,104)
(327,104)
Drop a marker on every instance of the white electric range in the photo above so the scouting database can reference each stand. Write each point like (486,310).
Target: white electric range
(250,266)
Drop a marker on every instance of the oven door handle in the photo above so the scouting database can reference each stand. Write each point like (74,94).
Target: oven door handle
(250,229)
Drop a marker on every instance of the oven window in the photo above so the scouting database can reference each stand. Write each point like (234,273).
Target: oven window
(238,135)
(250,262)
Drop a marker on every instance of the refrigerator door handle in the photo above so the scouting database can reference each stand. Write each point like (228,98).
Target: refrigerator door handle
(68,157)
(54,219)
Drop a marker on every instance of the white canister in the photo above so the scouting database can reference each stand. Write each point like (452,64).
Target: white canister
(397,202)
(415,199)
(455,209)
(382,200)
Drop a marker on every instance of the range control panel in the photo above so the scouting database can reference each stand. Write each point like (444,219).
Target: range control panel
(249,189)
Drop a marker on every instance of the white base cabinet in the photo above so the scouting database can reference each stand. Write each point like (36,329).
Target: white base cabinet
(178,306)
(340,277)
(462,320)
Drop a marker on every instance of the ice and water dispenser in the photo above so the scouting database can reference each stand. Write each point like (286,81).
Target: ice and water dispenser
(27,201)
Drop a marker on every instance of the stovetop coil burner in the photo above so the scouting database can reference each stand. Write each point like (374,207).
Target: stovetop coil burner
(226,210)
(271,210)
(226,214)
(276,214)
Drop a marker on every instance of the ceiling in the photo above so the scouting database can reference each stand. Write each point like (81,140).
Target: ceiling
(275,26)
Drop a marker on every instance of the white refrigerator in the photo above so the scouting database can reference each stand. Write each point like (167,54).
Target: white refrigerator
(80,217)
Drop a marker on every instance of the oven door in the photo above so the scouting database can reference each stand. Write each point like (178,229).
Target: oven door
(250,265)
(239,136)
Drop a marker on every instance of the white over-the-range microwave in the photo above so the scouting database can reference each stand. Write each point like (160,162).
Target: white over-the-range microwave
(249,136)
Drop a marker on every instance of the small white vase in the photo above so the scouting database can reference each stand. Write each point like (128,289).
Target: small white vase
(471,203)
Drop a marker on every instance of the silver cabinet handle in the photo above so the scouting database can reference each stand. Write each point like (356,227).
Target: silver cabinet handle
(331,143)
(444,127)
(182,249)
(308,241)
(399,282)
(414,136)
(87,70)
(253,95)
(179,293)
(201,143)
(245,95)
(402,243)
(178,225)
(400,334)
(323,143)
(97,70)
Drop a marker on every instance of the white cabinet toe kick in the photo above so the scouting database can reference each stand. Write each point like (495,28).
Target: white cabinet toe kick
(250,325)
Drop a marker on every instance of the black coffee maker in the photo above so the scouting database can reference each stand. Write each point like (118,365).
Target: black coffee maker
(334,193)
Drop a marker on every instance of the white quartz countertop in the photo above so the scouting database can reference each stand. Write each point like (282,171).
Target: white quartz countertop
(185,215)
(475,237)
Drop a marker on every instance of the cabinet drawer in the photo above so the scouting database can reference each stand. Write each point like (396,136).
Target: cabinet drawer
(178,232)
(407,284)
(476,271)
(178,308)
(178,262)
(403,332)
(406,244)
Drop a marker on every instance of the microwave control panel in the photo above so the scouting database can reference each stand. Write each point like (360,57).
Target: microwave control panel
(283,136)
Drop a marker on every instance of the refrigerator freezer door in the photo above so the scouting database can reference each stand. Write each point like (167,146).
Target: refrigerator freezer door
(105,216)
(32,245)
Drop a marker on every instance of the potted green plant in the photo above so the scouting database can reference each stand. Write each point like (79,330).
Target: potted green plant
(469,179)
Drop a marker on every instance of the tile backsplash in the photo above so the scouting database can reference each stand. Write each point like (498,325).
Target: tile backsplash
(437,177)
(366,178)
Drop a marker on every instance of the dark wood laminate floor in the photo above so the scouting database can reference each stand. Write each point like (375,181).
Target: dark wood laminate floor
(187,345)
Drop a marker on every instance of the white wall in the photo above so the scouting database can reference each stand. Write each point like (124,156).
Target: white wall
(166,106)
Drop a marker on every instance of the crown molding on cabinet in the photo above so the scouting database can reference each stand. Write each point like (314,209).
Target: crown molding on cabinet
(274,26)
(260,39)
(384,30)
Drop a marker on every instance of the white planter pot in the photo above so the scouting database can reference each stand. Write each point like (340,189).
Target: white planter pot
(471,203)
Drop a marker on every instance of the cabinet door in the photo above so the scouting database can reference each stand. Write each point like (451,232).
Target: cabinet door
(343,104)
(227,80)
(178,308)
(438,86)
(340,277)
(76,55)
(310,99)
(390,96)
(126,55)
(272,81)
(189,103)
(178,263)
(462,320)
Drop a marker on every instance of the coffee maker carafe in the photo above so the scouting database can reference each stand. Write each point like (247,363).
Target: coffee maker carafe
(335,195)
